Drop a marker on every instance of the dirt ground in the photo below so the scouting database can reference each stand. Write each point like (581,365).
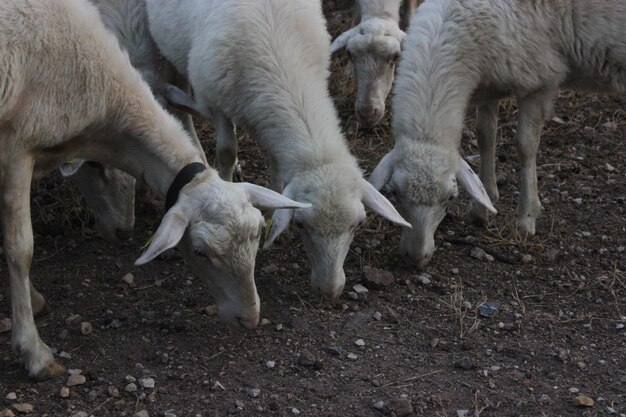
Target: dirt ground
(421,343)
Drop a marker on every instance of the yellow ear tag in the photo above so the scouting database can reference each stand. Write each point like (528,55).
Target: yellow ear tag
(149,241)
(268,227)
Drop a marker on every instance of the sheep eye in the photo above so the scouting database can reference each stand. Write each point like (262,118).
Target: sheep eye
(349,54)
(396,58)
(200,253)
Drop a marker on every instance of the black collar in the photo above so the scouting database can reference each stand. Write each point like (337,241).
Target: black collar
(183,178)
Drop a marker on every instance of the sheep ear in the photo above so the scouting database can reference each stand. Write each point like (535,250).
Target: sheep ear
(472,184)
(280,220)
(180,100)
(264,197)
(70,168)
(382,173)
(342,40)
(377,202)
(169,233)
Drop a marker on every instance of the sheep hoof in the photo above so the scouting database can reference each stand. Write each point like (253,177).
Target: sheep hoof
(526,227)
(51,371)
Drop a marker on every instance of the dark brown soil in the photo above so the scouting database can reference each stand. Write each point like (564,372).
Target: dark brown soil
(561,295)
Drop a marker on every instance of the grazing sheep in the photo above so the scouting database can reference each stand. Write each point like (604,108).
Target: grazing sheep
(374,46)
(67,91)
(264,65)
(110,193)
(463,51)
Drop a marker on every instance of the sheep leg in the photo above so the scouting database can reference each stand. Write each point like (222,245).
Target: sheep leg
(533,110)
(38,302)
(185,118)
(226,138)
(18,246)
(486,128)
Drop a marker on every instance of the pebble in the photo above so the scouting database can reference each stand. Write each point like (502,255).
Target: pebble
(360,289)
(80,414)
(86,328)
(578,201)
(75,379)
(295,411)
(7,413)
(611,410)
(574,390)
(5,325)
(306,358)
(333,350)
(73,319)
(264,322)
(146,383)
(65,392)
(23,408)
(218,385)
(92,395)
(352,356)
(130,387)
(455,271)
(253,392)
(619,326)
(279,326)
(583,401)
(169,413)
(378,405)
(211,310)
(270,364)
(75,371)
(65,355)
(424,279)
(113,391)
(462,413)
(401,407)
(377,316)
(11,396)
(129,279)
(464,363)
(377,278)
(527,258)
(352,295)
(478,253)
(141,413)
(544,399)
(359,342)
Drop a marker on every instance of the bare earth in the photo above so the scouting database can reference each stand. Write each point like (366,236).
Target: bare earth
(423,344)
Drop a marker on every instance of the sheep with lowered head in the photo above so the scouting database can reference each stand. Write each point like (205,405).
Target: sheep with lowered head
(67,92)
(374,46)
(459,52)
(264,66)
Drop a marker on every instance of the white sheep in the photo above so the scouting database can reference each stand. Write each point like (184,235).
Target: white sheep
(67,91)
(110,193)
(374,46)
(264,65)
(463,51)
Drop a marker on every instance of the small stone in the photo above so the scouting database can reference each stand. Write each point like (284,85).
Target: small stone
(75,371)
(489,309)
(478,253)
(352,356)
(11,396)
(76,379)
(378,405)
(306,358)
(5,325)
(279,326)
(333,350)
(360,289)
(169,413)
(352,295)
(489,258)
(424,279)
(527,258)
(129,279)
(619,326)
(73,319)
(218,385)
(80,414)
(464,363)
(142,413)
(253,392)
(146,383)
(65,355)
(582,365)
(295,411)
(609,167)
(113,391)
(377,278)
(270,364)
(462,413)
(65,392)
(211,310)
(377,316)
(544,399)
(401,407)
(359,342)
(583,401)
(611,410)
(92,395)
(455,271)
(271,269)
(264,322)
(7,413)
(578,201)
(86,328)
(130,387)
(574,390)
(23,408)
